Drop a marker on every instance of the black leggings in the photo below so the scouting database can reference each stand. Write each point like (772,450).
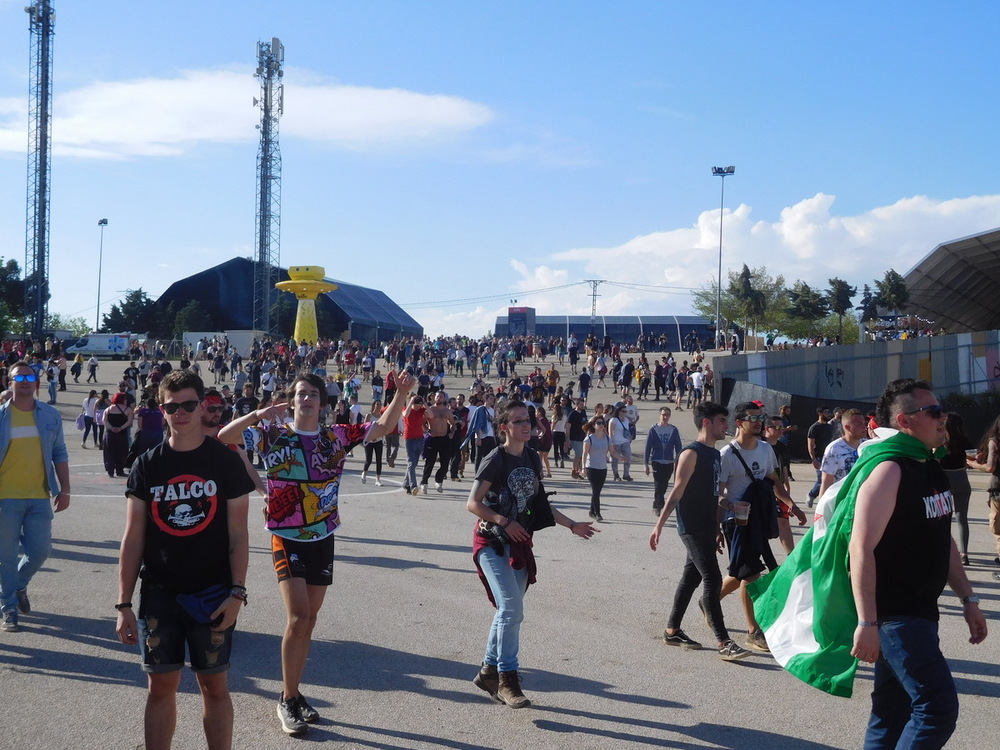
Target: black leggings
(559,444)
(597,478)
(374,448)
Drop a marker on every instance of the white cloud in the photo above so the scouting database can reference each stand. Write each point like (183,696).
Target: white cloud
(808,241)
(169,116)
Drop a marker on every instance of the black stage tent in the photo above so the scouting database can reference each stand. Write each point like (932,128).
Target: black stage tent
(226,291)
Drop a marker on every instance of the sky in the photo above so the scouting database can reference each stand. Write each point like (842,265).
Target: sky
(461,155)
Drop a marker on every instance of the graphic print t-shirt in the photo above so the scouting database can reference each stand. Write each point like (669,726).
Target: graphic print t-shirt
(303,480)
(187,532)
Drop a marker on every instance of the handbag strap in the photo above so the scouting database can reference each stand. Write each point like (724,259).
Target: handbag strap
(746,468)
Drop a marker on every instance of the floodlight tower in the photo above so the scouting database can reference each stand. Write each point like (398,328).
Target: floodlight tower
(270,56)
(36,253)
(594,285)
(720,336)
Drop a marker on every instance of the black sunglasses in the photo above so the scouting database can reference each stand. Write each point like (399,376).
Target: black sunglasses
(934,411)
(188,406)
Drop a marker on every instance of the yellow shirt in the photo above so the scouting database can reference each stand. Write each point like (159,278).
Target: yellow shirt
(22,474)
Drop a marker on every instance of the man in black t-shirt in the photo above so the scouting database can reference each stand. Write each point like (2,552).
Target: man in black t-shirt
(695,496)
(819,436)
(186,538)
(901,556)
(575,421)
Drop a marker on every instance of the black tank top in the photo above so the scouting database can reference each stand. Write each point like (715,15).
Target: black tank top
(697,510)
(914,555)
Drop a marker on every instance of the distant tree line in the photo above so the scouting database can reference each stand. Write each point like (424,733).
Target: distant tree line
(761,303)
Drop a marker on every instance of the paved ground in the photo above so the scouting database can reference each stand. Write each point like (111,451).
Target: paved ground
(402,633)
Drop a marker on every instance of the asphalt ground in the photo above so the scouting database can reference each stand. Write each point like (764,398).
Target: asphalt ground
(403,629)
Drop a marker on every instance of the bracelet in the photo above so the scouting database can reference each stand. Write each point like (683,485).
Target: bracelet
(867,624)
(239,593)
(123,605)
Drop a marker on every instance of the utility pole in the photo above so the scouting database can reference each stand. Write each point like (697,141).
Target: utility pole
(36,253)
(594,284)
(270,57)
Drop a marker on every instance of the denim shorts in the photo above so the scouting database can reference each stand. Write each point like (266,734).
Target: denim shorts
(164,630)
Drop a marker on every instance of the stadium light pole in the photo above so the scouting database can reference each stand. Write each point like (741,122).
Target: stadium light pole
(722,172)
(100,263)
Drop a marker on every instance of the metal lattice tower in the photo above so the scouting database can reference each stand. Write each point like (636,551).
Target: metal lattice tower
(36,252)
(270,56)
(594,285)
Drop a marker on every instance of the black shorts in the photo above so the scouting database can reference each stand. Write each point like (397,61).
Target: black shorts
(312,561)
(164,630)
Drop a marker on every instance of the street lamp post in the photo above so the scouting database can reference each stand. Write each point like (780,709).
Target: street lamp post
(100,263)
(723,172)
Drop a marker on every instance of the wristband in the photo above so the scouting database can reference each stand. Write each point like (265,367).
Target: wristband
(867,624)
(123,605)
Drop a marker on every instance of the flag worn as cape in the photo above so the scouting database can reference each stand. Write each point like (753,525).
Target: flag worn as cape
(806,607)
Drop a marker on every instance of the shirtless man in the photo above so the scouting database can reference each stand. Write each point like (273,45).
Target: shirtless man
(438,421)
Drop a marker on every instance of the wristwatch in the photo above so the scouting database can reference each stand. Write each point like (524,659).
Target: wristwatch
(972,599)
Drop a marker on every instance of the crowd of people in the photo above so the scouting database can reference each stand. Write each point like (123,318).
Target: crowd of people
(298,411)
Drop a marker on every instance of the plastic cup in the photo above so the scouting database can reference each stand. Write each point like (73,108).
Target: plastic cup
(742,511)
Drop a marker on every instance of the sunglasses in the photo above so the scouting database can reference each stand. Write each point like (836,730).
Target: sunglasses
(754,418)
(188,406)
(212,409)
(600,423)
(25,378)
(934,411)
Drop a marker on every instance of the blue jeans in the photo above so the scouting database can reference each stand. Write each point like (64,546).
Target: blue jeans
(25,523)
(508,587)
(814,492)
(914,701)
(414,449)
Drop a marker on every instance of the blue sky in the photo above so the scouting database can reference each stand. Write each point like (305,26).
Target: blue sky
(446,151)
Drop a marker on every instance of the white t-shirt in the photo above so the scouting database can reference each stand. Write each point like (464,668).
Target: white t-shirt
(838,458)
(761,462)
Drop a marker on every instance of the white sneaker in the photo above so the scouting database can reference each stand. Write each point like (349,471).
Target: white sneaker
(378,482)
(437,486)
(424,488)
(415,491)
(364,477)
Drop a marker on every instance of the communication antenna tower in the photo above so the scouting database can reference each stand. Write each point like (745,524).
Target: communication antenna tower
(270,57)
(36,253)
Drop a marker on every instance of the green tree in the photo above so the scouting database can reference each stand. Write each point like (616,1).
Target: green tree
(11,288)
(839,297)
(806,305)
(77,326)
(760,308)
(869,305)
(892,292)
(136,313)
(192,317)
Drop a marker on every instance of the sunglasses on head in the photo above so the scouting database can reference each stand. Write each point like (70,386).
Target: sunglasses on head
(188,406)
(934,411)
(25,378)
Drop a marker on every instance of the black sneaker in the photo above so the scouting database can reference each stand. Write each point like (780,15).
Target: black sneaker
(680,638)
(10,622)
(291,716)
(731,651)
(23,604)
(309,714)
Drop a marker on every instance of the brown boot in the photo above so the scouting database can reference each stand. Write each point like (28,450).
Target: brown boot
(510,690)
(488,680)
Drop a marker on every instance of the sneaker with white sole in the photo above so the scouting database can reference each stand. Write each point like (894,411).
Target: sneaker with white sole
(680,638)
(364,477)
(424,488)
(732,651)
(378,482)
(9,622)
(290,714)
(438,487)
(415,491)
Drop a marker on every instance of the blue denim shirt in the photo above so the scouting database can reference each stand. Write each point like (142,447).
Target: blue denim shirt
(50,432)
